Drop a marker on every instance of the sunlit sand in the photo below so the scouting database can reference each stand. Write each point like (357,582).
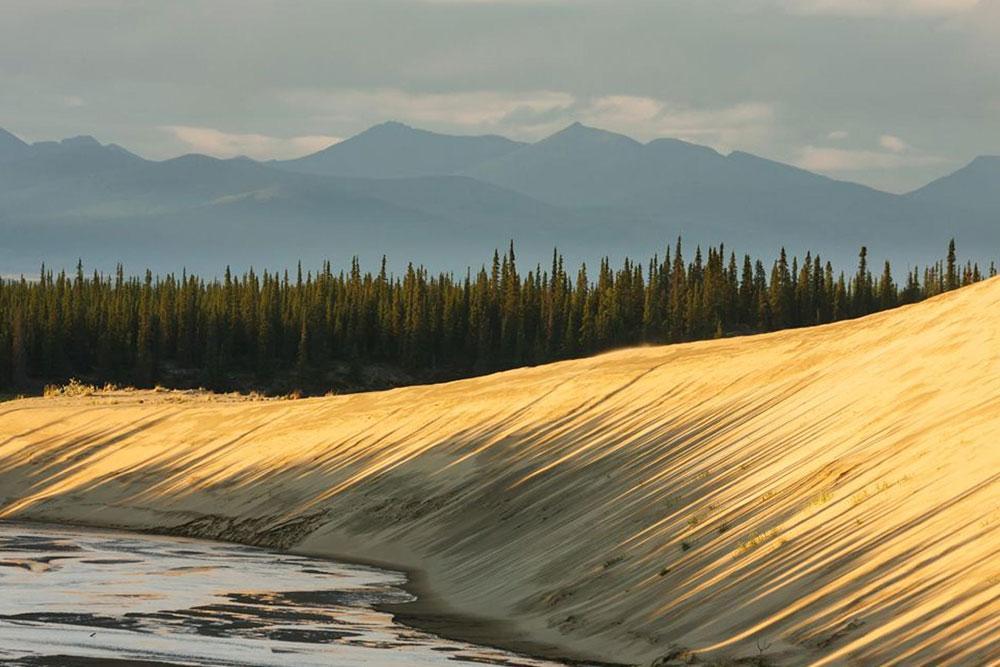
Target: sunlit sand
(823,496)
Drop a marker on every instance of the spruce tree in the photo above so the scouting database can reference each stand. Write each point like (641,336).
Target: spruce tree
(266,330)
(951,277)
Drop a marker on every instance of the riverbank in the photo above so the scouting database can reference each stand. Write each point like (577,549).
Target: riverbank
(82,596)
(428,612)
(432,612)
(821,496)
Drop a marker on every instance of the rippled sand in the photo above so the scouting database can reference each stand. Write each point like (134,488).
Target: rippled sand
(822,496)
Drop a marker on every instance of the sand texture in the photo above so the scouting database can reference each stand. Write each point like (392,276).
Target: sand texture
(822,496)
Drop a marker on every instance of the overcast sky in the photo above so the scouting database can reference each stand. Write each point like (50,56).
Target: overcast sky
(891,93)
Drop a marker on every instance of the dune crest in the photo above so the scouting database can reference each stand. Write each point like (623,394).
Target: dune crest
(824,496)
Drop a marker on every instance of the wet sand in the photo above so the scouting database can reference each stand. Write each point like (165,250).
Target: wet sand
(430,613)
(95,597)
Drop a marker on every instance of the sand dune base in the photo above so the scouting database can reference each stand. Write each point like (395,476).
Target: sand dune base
(822,496)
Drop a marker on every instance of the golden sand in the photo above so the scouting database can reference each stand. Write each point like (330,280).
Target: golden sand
(824,496)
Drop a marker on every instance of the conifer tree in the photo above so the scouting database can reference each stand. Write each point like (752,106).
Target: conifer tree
(267,330)
(951,277)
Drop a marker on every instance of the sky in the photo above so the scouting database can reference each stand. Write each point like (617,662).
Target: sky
(890,93)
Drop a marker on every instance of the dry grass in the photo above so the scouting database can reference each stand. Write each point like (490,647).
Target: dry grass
(75,388)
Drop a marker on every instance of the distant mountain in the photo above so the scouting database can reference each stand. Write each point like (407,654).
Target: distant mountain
(583,166)
(77,198)
(741,198)
(394,150)
(974,187)
(47,161)
(55,178)
(448,201)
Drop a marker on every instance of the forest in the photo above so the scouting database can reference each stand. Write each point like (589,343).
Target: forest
(325,330)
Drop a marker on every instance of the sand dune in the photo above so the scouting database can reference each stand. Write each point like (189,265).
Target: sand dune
(826,496)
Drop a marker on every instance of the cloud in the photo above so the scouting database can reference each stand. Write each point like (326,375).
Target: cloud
(494,2)
(893,144)
(835,160)
(472,110)
(744,125)
(534,114)
(258,146)
(817,158)
(897,8)
(892,153)
(838,135)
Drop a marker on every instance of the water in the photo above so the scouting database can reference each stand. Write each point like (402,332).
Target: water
(80,597)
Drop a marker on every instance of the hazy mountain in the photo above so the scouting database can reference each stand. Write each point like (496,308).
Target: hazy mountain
(583,166)
(974,187)
(77,198)
(587,191)
(393,150)
(742,199)
(43,163)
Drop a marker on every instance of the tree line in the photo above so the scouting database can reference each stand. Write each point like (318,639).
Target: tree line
(274,330)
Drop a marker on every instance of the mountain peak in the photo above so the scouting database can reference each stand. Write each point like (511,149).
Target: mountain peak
(579,134)
(80,141)
(393,125)
(389,128)
(396,150)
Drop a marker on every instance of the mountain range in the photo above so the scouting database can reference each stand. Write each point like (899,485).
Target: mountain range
(448,201)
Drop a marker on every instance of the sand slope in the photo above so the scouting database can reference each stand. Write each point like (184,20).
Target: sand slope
(832,494)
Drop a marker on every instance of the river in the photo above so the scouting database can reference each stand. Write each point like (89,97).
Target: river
(74,597)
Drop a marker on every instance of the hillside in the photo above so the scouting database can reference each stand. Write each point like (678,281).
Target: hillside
(831,494)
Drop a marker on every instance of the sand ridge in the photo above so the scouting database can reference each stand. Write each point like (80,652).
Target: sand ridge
(823,496)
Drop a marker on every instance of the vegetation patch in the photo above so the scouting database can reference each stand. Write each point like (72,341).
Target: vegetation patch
(76,388)
(755,541)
